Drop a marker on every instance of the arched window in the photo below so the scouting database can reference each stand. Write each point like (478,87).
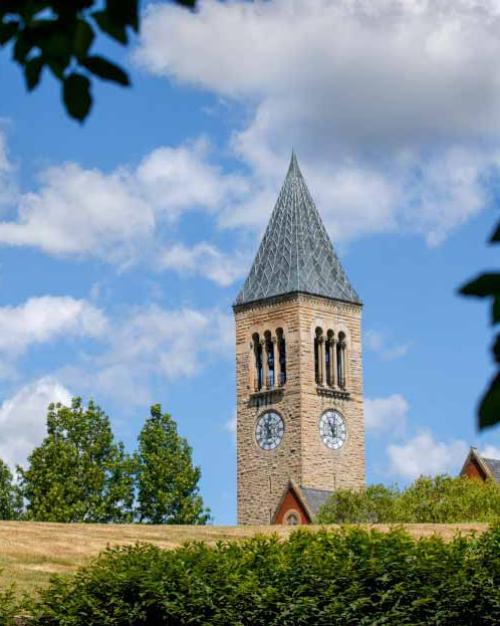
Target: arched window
(259,374)
(281,355)
(318,365)
(292,518)
(329,358)
(270,360)
(341,360)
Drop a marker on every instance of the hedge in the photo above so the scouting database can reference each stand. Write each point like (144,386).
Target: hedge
(346,577)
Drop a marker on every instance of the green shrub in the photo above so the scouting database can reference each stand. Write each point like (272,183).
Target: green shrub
(348,577)
(440,500)
(449,500)
(374,504)
(9,607)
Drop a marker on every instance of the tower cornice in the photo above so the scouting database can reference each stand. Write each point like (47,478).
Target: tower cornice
(272,301)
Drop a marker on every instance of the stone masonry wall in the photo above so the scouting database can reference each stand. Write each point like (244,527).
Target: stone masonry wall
(323,468)
(263,475)
(301,456)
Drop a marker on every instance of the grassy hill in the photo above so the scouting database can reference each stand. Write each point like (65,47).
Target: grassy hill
(31,552)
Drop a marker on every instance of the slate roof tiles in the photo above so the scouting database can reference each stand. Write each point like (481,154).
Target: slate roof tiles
(494,467)
(296,254)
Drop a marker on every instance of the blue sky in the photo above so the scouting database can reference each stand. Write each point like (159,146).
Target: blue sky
(123,242)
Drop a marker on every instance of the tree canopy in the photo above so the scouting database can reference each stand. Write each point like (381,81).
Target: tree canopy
(78,473)
(167,481)
(10,502)
(439,500)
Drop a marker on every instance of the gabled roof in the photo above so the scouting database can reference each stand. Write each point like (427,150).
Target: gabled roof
(310,499)
(490,467)
(494,468)
(315,498)
(296,254)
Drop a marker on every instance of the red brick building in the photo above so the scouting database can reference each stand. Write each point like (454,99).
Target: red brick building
(478,466)
(299,505)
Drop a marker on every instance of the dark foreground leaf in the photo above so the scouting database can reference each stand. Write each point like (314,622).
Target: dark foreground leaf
(489,409)
(59,34)
(483,286)
(487,285)
(76,95)
(106,70)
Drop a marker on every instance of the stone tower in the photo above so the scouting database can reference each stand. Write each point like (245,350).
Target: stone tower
(298,361)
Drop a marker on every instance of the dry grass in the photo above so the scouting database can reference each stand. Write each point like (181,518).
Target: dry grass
(31,552)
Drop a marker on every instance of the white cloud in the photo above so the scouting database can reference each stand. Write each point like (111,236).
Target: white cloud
(23,418)
(171,340)
(444,191)
(393,106)
(388,71)
(79,211)
(386,414)
(5,165)
(203,259)
(175,180)
(173,344)
(490,452)
(115,215)
(423,455)
(8,189)
(379,343)
(45,318)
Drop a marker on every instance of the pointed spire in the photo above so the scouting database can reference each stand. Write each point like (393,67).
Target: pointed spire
(293,168)
(296,254)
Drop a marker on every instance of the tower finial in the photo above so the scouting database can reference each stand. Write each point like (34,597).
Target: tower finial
(294,165)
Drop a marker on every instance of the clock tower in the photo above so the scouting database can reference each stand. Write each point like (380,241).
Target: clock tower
(298,360)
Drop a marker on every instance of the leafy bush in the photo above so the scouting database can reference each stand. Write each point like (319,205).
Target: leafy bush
(447,500)
(349,577)
(440,500)
(9,607)
(374,504)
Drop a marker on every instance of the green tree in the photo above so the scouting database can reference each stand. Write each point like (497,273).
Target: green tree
(167,481)
(447,500)
(487,285)
(10,501)
(439,500)
(59,35)
(78,473)
(375,505)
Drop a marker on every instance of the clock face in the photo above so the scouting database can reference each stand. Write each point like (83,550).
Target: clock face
(332,429)
(269,430)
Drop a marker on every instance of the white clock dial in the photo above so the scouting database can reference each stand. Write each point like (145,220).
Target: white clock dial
(332,429)
(269,430)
